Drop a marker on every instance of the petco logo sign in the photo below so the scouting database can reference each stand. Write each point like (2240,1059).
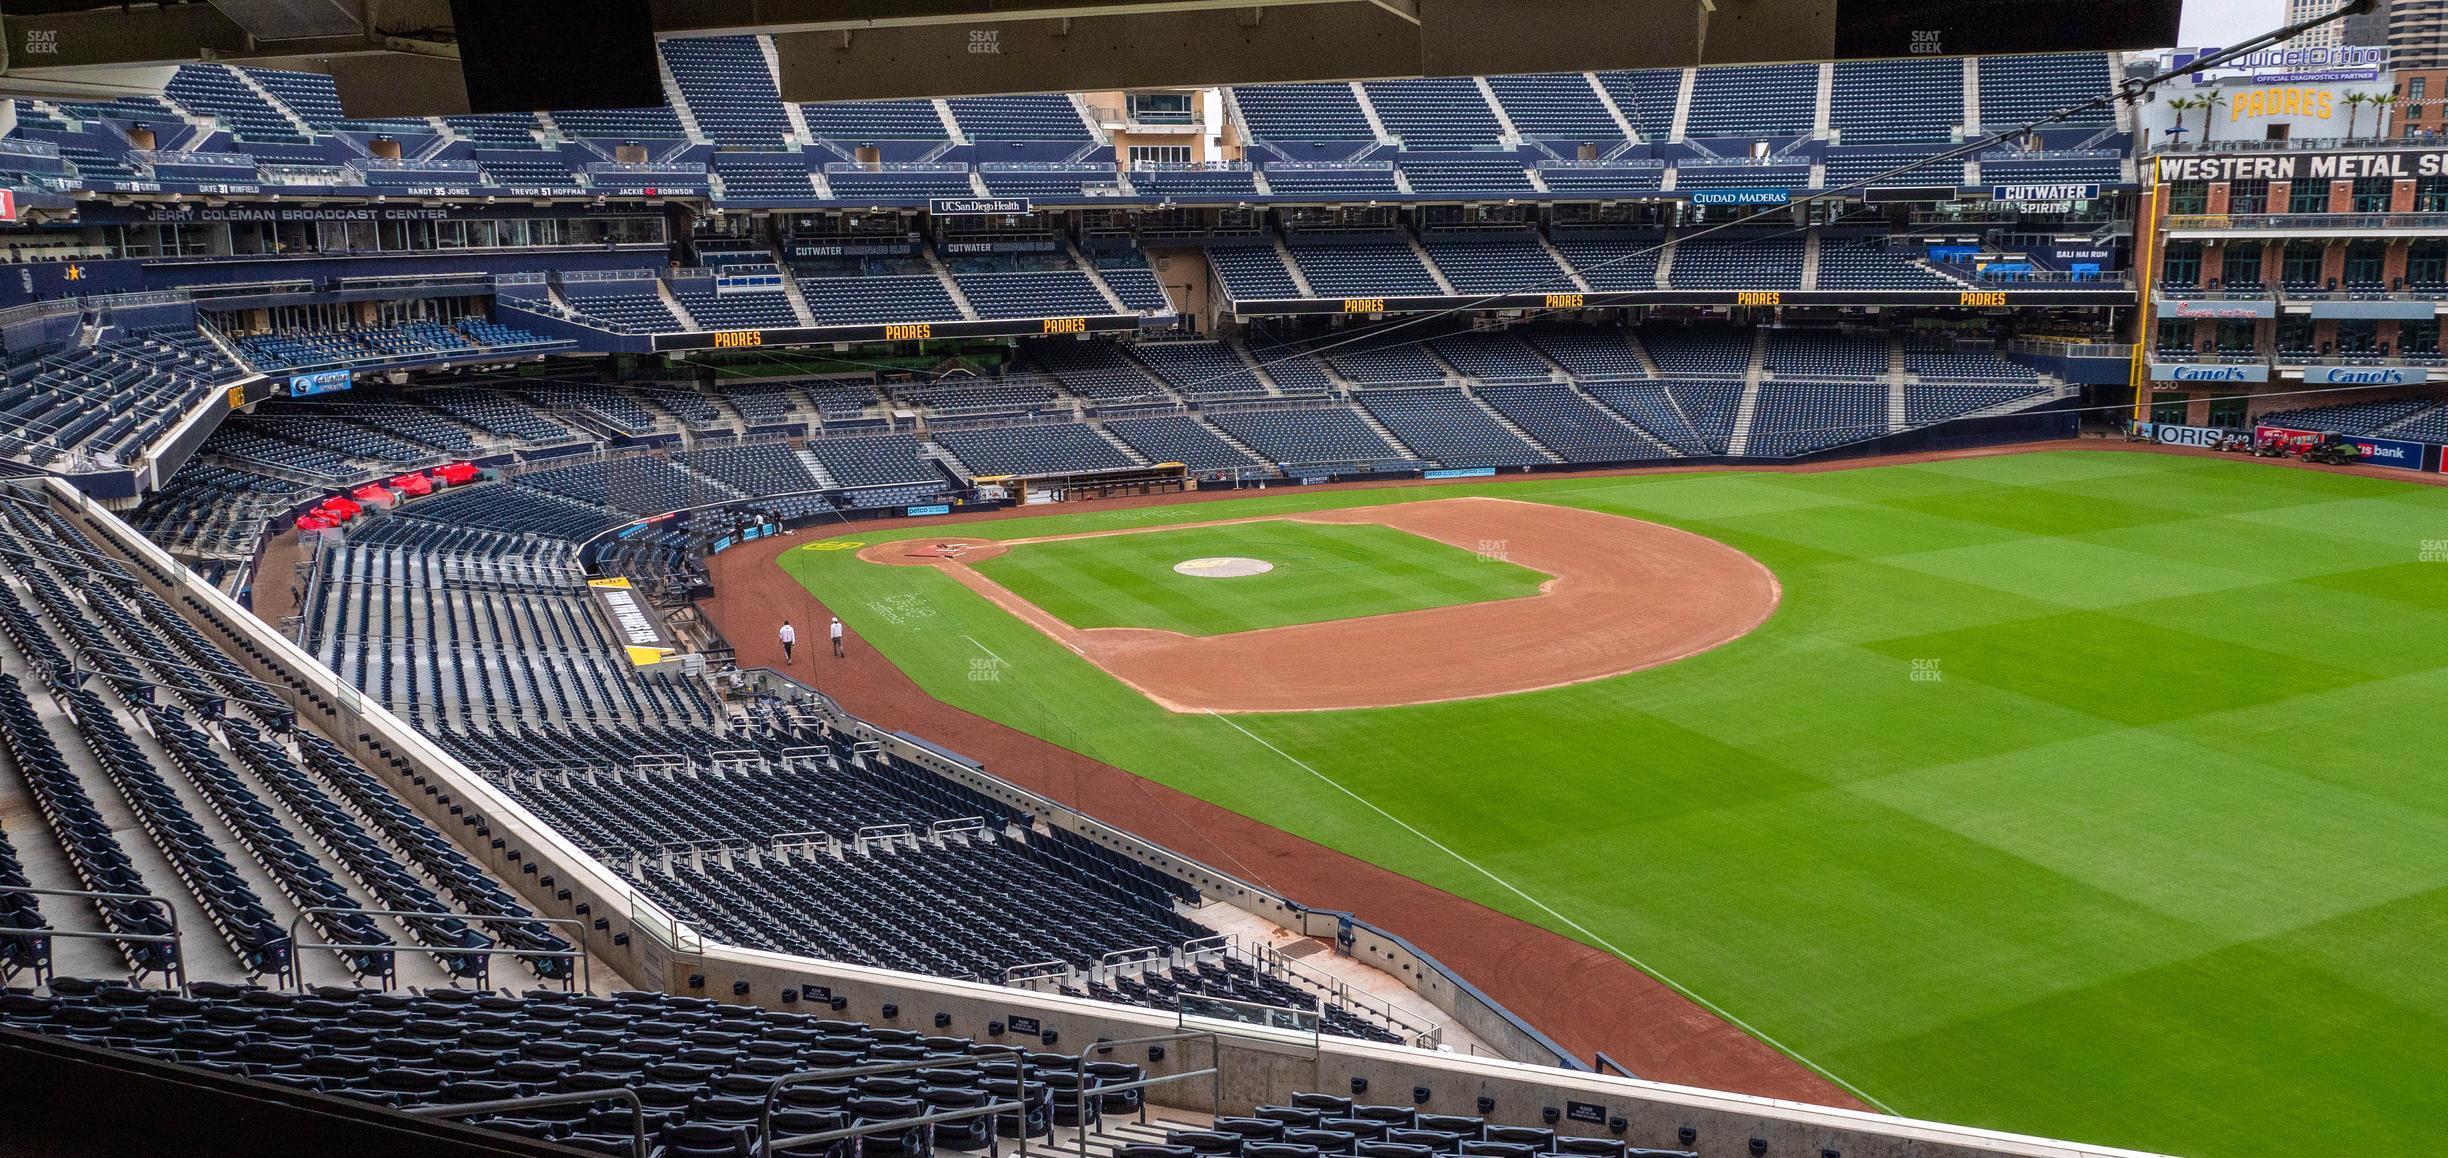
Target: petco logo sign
(2365,375)
(2183,372)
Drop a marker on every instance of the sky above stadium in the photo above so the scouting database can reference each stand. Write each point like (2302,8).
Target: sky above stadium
(2224,22)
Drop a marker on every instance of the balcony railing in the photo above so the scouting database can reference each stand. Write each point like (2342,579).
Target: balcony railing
(2288,222)
(2298,144)
(2056,349)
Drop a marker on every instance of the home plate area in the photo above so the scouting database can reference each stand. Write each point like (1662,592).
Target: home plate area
(1223,567)
(1617,595)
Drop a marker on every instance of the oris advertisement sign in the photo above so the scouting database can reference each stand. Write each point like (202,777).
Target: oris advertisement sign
(2170,434)
(2208,373)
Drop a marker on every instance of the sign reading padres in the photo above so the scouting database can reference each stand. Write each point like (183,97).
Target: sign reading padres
(735,339)
(1759,298)
(1364,305)
(1066,325)
(908,331)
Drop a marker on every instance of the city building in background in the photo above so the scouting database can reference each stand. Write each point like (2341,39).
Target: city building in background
(2367,30)
(2330,35)
(2418,33)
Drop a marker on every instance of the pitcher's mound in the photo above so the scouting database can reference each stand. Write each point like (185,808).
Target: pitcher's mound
(1223,567)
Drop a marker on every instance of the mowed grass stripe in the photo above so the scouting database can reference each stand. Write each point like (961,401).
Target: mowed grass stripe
(2152,862)
(1321,573)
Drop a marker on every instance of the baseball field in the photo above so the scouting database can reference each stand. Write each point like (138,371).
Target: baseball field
(2095,794)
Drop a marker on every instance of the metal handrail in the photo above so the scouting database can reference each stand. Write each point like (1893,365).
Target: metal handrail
(884,834)
(1310,1021)
(1342,993)
(173,938)
(810,839)
(1215,1070)
(1142,955)
(637,1109)
(577,949)
(1036,971)
(767,1143)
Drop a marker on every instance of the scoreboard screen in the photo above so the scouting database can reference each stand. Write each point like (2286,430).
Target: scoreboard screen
(1877,28)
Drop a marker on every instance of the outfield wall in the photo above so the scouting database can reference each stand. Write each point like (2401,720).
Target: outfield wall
(631,941)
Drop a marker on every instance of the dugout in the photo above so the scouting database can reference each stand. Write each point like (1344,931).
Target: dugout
(1163,478)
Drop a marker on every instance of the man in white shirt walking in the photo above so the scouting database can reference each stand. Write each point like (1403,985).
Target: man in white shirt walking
(790,635)
(837,637)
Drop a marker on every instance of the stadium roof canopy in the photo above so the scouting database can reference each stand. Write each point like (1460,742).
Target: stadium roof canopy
(401,57)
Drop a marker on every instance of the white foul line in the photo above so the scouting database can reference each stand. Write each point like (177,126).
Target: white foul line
(982,647)
(1577,926)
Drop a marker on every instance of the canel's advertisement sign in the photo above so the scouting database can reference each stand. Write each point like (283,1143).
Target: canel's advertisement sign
(2365,375)
(2209,372)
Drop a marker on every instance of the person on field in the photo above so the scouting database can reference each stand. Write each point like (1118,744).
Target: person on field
(837,637)
(790,635)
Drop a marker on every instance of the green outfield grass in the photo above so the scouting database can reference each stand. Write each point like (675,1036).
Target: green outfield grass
(1322,572)
(2152,853)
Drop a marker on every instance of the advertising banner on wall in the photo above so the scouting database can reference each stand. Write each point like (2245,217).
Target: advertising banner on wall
(1761,196)
(2389,452)
(2400,311)
(2171,434)
(2288,437)
(2365,375)
(2208,372)
(978,206)
(2305,166)
(2199,308)
(320,382)
(2287,64)
(2021,193)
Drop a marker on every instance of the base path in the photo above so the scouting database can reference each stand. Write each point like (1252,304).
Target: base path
(1585,998)
(1625,595)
